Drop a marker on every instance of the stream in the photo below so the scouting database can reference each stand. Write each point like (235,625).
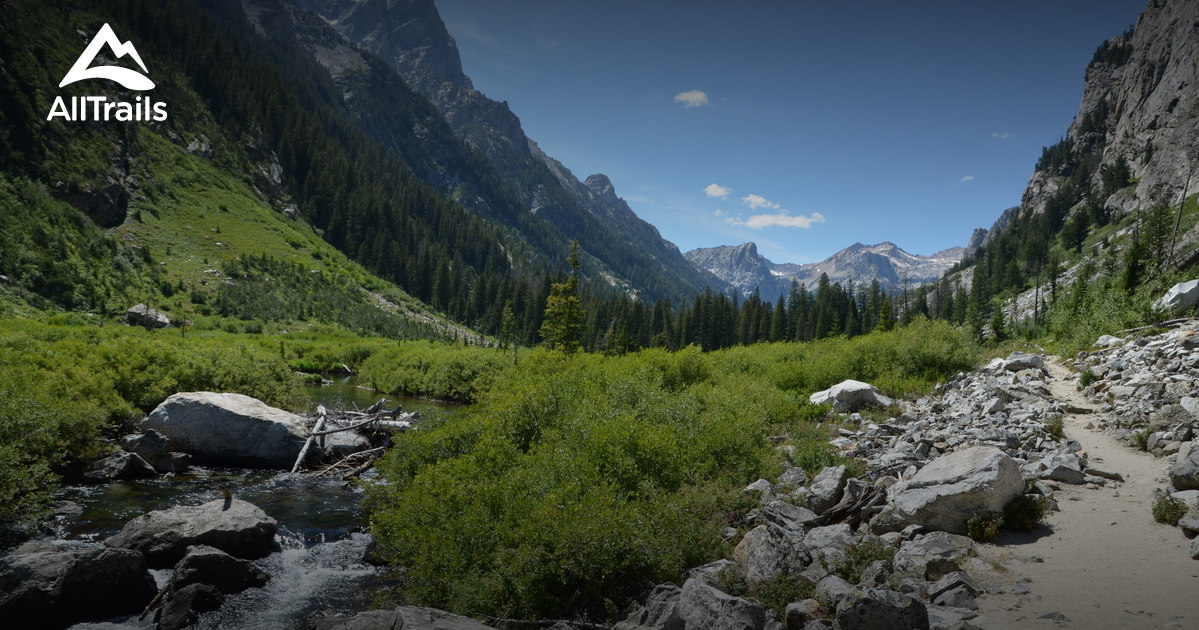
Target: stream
(318,567)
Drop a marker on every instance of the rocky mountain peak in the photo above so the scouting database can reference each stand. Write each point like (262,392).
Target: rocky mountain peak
(408,34)
(603,188)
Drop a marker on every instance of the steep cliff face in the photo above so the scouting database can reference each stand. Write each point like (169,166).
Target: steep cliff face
(742,267)
(410,36)
(1140,105)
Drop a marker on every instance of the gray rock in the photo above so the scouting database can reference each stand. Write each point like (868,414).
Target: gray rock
(182,608)
(934,555)
(826,489)
(239,430)
(1184,474)
(142,315)
(118,466)
(176,463)
(875,573)
(945,618)
(794,477)
(1189,523)
(798,614)
(786,519)
(235,527)
(211,566)
(702,606)
(830,590)
(50,589)
(850,396)
(954,487)
(661,611)
(1181,297)
(956,579)
(1195,550)
(1017,361)
(761,554)
(839,536)
(710,573)
(146,444)
(959,597)
(1108,341)
(877,609)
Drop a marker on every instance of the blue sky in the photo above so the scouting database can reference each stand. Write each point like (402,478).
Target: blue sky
(820,124)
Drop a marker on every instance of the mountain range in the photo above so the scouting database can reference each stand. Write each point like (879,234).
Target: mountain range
(895,269)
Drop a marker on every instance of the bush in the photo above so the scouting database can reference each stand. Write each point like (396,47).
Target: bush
(1169,510)
(982,528)
(773,594)
(860,556)
(1024,513)
(1055,426)
(444,372)
(1086,378)
(574,481)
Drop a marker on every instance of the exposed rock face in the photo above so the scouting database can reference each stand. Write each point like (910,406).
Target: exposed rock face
(235,527)
(744,268)
(240,430)
(142,315)
(410,37)
(211,566)
(704,606)
(118,466)
(182,608)
(850,395)
(50,588)
(1180,298)
(951,489)
(875,609)
(661,611)
(1144,94)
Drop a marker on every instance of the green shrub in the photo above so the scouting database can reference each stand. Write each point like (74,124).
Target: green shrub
(574,481)
(1141,438)
(1169,510)
(1024,513)
(445,372)
(1055,426)
(982,528)
(1086,378)
(860,556)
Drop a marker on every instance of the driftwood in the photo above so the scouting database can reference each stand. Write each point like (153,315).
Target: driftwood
(154,602)
(349,428)
(860,500)
(320,424)
(353,459)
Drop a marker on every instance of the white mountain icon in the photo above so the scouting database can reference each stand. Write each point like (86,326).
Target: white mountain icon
(131,79)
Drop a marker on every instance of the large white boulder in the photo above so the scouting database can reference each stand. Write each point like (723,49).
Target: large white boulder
(240,430)
(955,487)
(1181,297)
(850,395)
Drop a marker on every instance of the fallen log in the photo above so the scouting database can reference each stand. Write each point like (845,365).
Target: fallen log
(320,424)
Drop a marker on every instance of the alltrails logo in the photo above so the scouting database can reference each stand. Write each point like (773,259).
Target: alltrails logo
(143,108)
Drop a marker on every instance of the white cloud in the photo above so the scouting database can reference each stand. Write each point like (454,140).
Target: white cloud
(754,201)
(694,98)
(719,213)
(1002,136)
(717,191)
(966,179)
(759,221)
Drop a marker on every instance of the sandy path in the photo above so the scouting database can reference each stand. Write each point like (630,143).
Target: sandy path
(1107,564)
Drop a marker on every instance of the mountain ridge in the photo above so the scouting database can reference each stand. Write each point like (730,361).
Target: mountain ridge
(744,268)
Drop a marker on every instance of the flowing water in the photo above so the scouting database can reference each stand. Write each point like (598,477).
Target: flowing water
(318,566)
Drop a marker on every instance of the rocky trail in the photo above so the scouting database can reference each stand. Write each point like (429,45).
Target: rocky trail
(1103,562)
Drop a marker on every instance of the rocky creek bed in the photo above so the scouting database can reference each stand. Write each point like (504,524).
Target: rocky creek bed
(884,550)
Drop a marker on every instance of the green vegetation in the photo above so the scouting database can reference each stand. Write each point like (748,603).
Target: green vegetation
(1024,513)
(67,386)
(577,479)
(983,528)
(860,556)
(1168,510)
(456,373)
(1055,426)
(773,594)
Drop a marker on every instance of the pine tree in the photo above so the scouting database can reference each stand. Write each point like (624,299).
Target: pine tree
(563,311)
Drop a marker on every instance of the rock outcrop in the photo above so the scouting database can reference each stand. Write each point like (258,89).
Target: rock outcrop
(977,481)
(146,317)
(233,526)
(240,430)
(43,587)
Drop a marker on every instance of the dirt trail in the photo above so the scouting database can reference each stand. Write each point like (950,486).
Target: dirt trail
(1106,562)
